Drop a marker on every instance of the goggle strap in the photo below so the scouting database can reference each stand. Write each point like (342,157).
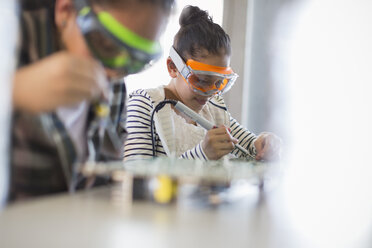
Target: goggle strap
(179,63)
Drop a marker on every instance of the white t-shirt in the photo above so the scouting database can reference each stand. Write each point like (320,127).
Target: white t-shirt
(75,119)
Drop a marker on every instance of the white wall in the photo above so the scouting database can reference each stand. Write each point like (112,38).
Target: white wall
(322,60)
(237,22)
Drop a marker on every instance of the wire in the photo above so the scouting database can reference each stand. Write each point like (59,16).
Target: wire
(159,106)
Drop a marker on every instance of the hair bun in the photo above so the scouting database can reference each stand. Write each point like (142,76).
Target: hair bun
(192,14)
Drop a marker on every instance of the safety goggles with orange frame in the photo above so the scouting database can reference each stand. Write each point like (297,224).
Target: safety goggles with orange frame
(204,79)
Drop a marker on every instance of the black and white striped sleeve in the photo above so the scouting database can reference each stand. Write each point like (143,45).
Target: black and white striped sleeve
(138,144)
(195,153)
(245,137)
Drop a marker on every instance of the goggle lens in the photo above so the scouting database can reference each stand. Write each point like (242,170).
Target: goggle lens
(208,84)
(113,56)
(113,53)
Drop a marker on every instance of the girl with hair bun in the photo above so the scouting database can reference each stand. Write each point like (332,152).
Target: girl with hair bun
(199,67)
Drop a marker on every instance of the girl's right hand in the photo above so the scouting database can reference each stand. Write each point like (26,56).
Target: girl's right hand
(218,142)
(61,79)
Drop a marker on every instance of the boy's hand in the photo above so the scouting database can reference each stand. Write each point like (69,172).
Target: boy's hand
(61,79)
(218,142)
(268,146)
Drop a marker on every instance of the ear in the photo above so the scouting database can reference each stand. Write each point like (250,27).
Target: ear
(64,13)
(172,69)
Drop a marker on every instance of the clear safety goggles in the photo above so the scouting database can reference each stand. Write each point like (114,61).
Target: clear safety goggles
(117,47)
(204,79)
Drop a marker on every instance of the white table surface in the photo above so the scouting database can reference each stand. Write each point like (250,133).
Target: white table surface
(98,219)
(94,219)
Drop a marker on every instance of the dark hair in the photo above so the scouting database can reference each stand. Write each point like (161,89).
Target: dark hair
(198,32)
(37,4)
(165,4)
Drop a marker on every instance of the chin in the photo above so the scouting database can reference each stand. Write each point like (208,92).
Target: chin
(197,107)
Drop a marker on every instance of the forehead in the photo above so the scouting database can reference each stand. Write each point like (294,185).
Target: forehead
(145,19)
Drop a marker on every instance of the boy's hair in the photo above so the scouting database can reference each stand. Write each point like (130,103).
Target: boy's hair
(199,33)
(165,4)
(37,4)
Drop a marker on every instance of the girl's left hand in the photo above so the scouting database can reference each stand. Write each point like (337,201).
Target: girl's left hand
(268,146)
